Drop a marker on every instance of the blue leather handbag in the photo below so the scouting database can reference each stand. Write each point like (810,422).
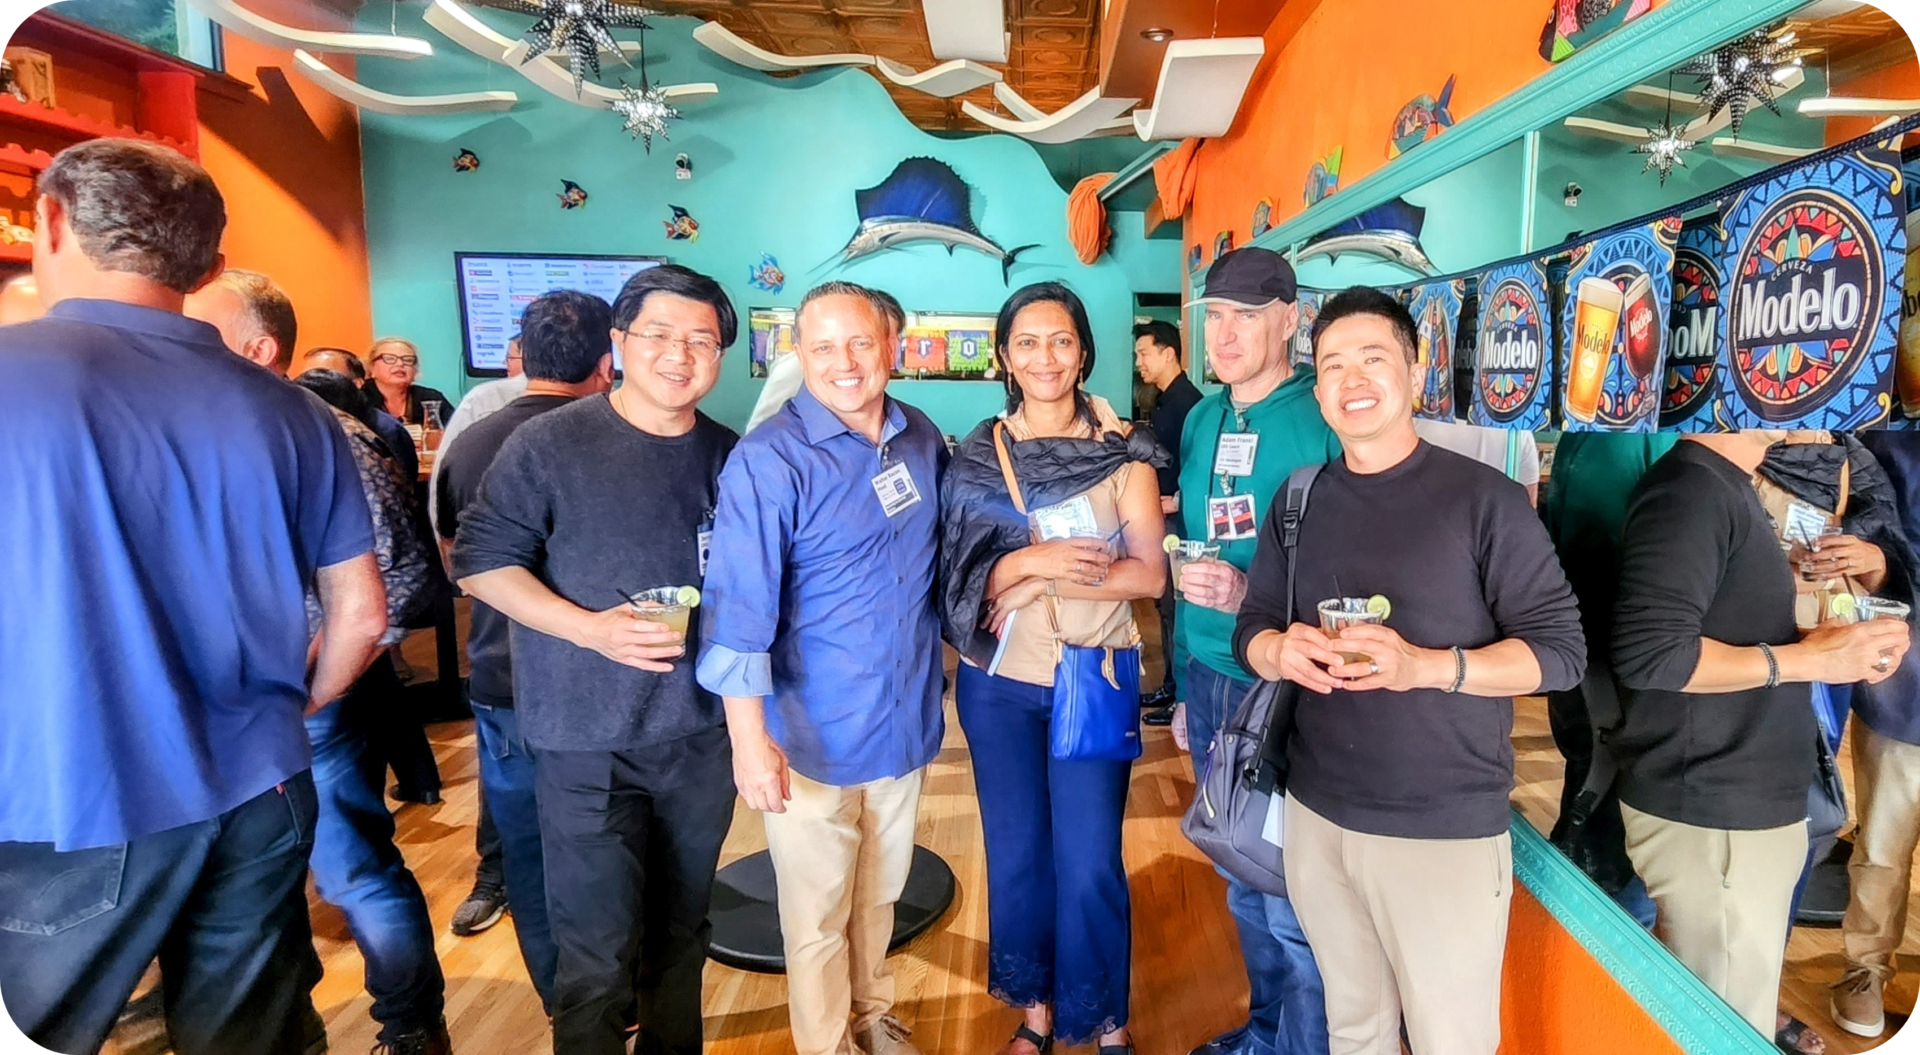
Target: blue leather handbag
(1096,705)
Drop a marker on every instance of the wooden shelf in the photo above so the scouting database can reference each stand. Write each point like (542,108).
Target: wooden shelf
(18,159)
(16,254)
(83,127)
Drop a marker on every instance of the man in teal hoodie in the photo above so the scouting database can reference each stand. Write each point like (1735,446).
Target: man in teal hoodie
(1237,449)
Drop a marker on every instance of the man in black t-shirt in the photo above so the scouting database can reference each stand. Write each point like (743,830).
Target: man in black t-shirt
(564,348)
(1158,360)
(1717,737)
(583,507)
(1398,860)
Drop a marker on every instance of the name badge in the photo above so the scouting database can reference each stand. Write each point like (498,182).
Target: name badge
(1231,518)
(895,487)
(705,542)
(1234,454)
(1803,522)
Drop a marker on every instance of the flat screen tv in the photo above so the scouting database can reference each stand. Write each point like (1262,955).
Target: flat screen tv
(496,287)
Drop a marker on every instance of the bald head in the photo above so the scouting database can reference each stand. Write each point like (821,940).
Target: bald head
(253,314)
(339,360)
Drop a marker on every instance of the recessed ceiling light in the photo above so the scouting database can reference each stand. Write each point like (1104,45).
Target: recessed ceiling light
(1157,35)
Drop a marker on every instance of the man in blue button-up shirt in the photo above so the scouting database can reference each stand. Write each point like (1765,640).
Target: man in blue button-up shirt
(820,633)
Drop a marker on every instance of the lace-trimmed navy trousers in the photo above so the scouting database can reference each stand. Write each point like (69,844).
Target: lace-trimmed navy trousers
(1059,922)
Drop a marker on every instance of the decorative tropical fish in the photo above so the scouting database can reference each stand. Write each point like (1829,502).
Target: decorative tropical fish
(1421,120)
(466,161)
(1324,177)
(683,227)
(572,195)
(1390,231)
(767,275)
(922,201)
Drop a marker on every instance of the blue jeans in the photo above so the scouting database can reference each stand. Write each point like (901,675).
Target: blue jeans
(1287,1007)
(358,869)
(506,781)
(1059,919)
(221,903)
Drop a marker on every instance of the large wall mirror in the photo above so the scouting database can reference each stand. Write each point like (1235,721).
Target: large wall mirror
(1564,157)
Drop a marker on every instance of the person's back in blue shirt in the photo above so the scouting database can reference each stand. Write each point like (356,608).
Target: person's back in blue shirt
(164,505)
(820,600)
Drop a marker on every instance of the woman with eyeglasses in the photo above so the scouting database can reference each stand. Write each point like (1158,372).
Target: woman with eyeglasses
(393,363)
(1059,561)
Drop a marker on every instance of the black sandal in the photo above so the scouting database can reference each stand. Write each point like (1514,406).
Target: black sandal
(1791,1036)
(1115,1049)
(1044,1045)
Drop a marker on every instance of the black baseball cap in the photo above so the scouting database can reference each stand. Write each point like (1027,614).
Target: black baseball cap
(1250,277)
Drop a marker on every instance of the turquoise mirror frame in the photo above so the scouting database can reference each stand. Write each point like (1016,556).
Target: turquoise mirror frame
(1697,1019)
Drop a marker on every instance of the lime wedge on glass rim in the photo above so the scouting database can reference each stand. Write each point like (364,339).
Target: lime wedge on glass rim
(1380,606)
(1171,543)
(1841,606)
(688,596)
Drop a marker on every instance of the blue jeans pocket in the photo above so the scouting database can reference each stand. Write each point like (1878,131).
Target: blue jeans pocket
(43,892)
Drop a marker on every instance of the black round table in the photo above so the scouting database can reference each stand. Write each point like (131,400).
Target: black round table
(746,921)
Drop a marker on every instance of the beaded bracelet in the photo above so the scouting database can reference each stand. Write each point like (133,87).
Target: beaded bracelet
(1459,669)
(1773,666)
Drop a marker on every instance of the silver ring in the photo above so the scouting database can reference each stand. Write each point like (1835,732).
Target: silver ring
(1885,662)
(1372,667)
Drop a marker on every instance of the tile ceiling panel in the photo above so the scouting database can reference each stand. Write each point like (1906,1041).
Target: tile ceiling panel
(1054,59)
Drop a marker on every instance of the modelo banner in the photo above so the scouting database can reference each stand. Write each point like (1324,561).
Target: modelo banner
(1435,307)
(1619,285)
(1693,329)
(1814,270)
(1514,339)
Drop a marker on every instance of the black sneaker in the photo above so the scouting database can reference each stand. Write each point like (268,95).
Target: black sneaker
(420,1042)
(1161,697)
(1158,716)
(482,908)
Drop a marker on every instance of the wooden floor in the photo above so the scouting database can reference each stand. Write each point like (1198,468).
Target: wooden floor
(1187,985)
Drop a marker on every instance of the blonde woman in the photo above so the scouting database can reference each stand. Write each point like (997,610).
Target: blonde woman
(393,365)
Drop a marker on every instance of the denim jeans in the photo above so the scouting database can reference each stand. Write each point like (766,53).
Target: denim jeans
(1287,1013)
(1059,919)
(221,903)
(506,784)
(358,869)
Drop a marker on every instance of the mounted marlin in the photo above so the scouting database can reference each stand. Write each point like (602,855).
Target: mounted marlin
(922,201)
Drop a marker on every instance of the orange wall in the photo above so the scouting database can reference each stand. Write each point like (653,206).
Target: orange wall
(1555,997)
(1898,81)
(1337,77)
(287,157)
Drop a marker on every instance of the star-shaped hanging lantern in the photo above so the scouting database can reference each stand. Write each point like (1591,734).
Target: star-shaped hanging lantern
(645,110)
(1750,69)
(579,27)
(1663,148)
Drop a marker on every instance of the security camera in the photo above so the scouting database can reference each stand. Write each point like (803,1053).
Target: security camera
(1573,194)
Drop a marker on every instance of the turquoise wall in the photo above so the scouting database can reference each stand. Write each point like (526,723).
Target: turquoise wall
(775,163)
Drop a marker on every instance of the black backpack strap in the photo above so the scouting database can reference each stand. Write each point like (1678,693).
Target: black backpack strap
(1602,697)
(1293,506)
(1294,510)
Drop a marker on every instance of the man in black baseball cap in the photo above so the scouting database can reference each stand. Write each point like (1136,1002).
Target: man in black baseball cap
(1238,448)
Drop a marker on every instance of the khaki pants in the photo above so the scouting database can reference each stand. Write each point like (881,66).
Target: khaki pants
(1886,779)
(1413,926)
(1724,897)
(840,860)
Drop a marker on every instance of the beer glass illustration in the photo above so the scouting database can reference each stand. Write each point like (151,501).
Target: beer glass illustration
(1596,318)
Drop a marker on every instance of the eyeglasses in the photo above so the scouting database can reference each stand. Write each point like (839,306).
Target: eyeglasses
(389,359)
(657,341)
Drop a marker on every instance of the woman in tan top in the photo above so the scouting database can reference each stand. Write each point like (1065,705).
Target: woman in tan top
(1064,572)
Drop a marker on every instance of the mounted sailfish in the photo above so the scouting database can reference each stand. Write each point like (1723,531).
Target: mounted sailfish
(922,201)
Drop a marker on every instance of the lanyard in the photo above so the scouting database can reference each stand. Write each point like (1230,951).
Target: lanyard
(1239,425)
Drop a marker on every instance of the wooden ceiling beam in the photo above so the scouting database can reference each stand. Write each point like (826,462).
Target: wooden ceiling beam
(1130,62)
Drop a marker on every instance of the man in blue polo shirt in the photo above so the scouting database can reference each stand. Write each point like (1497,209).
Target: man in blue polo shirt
(821,634)
(164,507)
